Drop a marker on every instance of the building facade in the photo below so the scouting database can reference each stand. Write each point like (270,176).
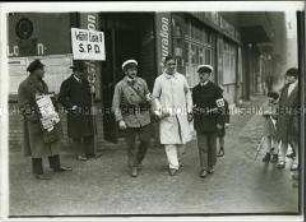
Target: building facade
(193,38)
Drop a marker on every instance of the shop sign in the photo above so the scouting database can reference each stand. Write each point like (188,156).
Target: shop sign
(87,44)
(163,37)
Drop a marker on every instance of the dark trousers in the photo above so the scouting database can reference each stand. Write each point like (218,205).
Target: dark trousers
(54,162)
(207,149)
(84,146)
(137,153)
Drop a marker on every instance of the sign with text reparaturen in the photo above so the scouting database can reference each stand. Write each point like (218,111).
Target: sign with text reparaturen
(87,44)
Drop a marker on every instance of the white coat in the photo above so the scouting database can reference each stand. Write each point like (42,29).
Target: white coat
(173,96)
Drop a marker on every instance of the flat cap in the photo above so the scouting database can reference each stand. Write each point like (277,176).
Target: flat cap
(292,72)
(208,68)
(127,62)
(36,64)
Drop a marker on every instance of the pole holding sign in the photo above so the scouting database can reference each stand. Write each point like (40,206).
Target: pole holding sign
(87,44)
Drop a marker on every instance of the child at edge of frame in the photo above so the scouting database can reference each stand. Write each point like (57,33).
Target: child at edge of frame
(270,128)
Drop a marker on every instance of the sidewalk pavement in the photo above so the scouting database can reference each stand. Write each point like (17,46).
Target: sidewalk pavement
(103,186)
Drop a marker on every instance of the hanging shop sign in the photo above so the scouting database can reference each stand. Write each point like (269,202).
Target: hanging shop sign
(163,37)
(87,44)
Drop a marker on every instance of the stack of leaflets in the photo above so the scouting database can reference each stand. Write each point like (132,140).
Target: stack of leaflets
(48,115)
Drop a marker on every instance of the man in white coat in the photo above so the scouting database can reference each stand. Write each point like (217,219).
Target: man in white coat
(172,95)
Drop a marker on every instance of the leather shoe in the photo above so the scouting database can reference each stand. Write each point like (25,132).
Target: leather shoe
(290,155)
(266,158)
(203,173)
(172,172)
(274,158)
(82,158)
(62,169)
(134,172)
(280,165)
(294,167)
(220,153)
(43,177)
(211,170)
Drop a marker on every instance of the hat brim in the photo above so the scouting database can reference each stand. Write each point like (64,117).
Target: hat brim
(205,69)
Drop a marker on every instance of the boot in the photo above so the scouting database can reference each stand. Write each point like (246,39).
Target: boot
(203,173)
(37,166)
(274,158)
(134,171)
(267,158)
(55,164)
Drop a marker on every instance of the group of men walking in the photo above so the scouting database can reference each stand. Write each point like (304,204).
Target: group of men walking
(171,103)
(175,107)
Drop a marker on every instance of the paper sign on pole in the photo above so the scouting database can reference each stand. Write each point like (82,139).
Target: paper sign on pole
(87,44)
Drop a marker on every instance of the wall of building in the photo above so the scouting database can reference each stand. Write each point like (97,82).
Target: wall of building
(51,32)
(193,40)
(196,42)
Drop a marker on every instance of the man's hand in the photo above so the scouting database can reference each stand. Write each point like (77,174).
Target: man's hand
(122,125)
(190,116)
(219,126)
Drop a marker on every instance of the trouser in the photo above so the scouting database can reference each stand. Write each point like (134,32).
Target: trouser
(54,162)
(283,149)
(174,154)
(84,146)
(270,145)
(207,150)
(136,153)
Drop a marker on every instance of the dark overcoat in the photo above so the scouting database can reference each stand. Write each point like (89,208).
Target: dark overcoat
(34,144)
(207,114)
(288,122)
(77,93)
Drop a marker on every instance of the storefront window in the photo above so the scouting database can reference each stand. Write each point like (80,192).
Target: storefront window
(229,63)
(199,48)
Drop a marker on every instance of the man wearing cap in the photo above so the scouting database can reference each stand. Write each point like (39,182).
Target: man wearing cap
(288,122)
(35,143)
(172,93)
(131,104)
(76,98)
(208,108)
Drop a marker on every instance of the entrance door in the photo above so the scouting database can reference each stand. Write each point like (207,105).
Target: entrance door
(124,46)
(127,36)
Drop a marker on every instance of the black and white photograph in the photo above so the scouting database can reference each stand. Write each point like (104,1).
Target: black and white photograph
(120,110)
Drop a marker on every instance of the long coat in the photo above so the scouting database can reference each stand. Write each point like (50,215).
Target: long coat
(174,97)
(77,93)
(207,113)
(288,122)
(34,144)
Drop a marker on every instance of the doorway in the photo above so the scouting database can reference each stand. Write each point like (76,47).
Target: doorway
(127,36)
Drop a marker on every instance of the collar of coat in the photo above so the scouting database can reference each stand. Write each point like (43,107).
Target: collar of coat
(174,75)
(131,81)
(207,84)
(37,84)
(76,78)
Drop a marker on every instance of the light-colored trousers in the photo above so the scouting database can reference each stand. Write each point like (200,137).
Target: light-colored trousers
(269,143)
(285,148)
(174,154)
